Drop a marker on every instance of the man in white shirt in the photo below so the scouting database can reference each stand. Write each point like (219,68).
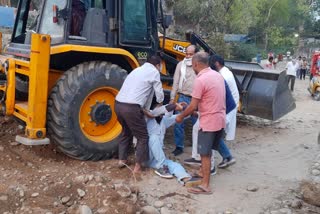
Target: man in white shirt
(136,92)
(292,67)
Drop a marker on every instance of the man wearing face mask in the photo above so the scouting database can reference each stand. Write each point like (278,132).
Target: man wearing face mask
(183,79)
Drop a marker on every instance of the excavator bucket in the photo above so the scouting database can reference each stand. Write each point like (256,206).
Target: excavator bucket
(263,93)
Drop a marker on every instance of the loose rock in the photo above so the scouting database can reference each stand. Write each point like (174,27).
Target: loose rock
(3,198)
(65,199)
(35,195)
(21,193)
(84,209)
(315,172)
(82,179)
(311,193)
(296,204)
(123,190)
(165,210)
(149,210)
(252,188)
(102,210)
(285,211)
(81,193)
(1,148)
(158,204)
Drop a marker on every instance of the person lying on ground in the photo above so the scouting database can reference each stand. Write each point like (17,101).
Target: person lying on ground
(158,120)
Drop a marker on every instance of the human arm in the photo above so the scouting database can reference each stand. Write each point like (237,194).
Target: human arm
(175,85)
(148,113)
(189,110)
(157,87)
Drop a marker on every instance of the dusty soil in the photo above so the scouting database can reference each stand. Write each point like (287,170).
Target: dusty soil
(36,179)
(274,157)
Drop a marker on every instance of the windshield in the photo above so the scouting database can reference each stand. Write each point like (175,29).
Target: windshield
(134,21)
(47,26)
(26,20)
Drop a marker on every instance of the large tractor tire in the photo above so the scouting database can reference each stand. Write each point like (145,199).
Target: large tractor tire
(81,117)
(22,88)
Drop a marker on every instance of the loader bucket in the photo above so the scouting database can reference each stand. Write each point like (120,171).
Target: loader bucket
(263,93)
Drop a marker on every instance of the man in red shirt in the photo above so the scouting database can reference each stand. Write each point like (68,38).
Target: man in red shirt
(209,97)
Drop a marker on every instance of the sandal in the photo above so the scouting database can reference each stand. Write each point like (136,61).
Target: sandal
(199,190)
(196,175)
(193,181)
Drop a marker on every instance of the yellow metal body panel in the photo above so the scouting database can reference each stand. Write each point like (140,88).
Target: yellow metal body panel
(175,47)
(38,86)
(11,87)
(92,49)
(54,76)
(42,79)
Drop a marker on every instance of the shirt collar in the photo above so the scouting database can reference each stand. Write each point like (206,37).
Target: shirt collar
(204,71)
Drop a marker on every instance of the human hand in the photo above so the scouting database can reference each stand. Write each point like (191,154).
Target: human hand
(147,113)
(172,101)
(179,118)
(179,107)
(184,104)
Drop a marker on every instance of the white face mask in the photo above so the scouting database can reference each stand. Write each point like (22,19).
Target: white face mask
(188,61)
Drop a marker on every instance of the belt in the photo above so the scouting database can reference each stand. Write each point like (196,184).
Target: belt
(129,104)
(185,95)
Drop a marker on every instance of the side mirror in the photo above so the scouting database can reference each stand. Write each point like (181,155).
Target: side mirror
(167,21)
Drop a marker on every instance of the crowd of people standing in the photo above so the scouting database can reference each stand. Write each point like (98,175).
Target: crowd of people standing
(206,93)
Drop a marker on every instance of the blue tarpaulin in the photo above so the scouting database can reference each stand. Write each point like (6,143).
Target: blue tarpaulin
(6,17)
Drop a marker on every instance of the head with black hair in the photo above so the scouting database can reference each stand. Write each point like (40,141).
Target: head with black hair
(154,60)
(216,62)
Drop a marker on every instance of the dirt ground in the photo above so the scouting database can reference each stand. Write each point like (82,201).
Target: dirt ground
(272,157)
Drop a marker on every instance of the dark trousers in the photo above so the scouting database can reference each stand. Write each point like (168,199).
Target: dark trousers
(132,120)
(303,73)
(291,79)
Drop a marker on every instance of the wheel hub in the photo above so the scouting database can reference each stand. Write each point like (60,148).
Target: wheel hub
(101,113)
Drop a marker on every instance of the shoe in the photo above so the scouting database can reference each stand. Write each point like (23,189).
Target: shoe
(227,162)
(192,161)
(177,151)
(192,182)
(163,172)
(213,171)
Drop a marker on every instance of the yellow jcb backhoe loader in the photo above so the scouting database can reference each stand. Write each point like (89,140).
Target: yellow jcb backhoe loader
(63,68)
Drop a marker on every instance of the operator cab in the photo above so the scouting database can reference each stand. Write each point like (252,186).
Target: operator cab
(127,24)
